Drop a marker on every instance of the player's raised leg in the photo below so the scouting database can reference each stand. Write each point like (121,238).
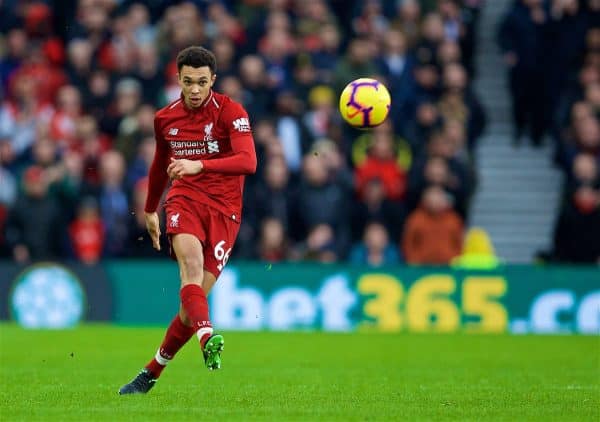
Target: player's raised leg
(188,250)
(213,346)
(195,285)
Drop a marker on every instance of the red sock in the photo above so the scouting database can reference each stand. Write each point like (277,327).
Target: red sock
(193,300)
(176,337)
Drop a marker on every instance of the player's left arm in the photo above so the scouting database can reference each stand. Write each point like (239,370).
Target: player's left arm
(243,157)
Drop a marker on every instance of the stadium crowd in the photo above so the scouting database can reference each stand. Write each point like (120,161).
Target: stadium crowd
(82,79)
(552,49)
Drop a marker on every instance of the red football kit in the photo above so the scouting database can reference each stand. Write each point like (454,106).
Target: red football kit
(209,204)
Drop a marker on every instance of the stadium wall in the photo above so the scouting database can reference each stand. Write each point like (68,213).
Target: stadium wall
(254,296)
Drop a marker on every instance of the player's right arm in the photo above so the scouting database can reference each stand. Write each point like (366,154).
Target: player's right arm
(157,181)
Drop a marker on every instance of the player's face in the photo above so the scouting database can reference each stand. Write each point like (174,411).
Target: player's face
(195,83)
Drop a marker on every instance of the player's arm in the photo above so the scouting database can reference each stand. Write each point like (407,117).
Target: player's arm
(242,161)
(157,181)
(243,157)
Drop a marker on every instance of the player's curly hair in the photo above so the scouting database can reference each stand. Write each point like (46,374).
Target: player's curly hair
(196,56)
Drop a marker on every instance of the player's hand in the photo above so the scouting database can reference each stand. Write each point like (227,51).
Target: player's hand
(153,227)
(183,167)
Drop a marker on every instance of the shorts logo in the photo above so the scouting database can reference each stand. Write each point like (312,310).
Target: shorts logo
(175,220)
(173,131)
(242,124)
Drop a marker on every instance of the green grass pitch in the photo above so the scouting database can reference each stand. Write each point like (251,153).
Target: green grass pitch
(75,374)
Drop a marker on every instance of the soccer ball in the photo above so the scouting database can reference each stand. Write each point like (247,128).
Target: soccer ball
(365,103)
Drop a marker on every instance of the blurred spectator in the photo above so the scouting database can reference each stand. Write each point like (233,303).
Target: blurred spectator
(8,196)
(322,201)
(396,66)
(33,227)
(564,42)
(312,16)
(276,48)
(521,41)
(171,90)
(375,250)
(325,56)
(382,163)
(477,253)
(432,34)
(114,206)
(436,170)
(138,18)
(357,63)
(91,144)
(419,129)
(408,20)
(257,95)
(63,122)
(21,115)
(86,232)
(149,73)
(458,28)
(375,207)
(272,243)
(134,130)
(427,77)
(225,52)
(139,244)
(44,76)
(433,233)
(371,20)
(273,196)
(322,118)
(16,50)
(293,134)
(578,228)
(79,64)
(319,246)
(231,86)
(458,102)
(120,117)
(585,171)
(304,78)
(335,164)
(140,165)
(97,94)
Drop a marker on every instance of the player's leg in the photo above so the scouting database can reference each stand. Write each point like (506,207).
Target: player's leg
(178,333)
(194,280)
(208,282)
(213,346)
(176,337)
(188,250)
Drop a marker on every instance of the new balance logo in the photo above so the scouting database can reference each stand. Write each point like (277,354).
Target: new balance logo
(175,220)
(173,131)
(242,124)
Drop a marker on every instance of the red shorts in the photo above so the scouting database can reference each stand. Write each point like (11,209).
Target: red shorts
(216,232)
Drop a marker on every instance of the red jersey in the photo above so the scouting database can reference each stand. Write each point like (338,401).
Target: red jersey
(217,133)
